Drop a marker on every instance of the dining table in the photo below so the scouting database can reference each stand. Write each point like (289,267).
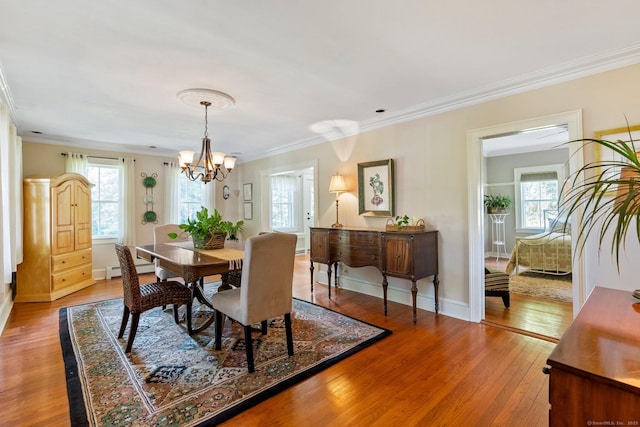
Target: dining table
(192,264)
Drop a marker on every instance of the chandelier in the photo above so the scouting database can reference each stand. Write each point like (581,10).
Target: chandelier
(210,164)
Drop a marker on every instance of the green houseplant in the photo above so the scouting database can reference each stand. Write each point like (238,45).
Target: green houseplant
(208,231)
(496,203)
(605,194)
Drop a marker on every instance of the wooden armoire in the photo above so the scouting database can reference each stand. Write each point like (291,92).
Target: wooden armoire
(57,238)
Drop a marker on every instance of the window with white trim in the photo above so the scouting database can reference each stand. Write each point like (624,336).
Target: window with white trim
(285,198)
(104,174)
(537,192)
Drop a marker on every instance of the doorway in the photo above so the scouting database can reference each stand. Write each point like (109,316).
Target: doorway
(477,177)
(288,201)
(528,168)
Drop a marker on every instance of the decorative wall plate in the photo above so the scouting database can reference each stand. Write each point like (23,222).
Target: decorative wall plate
(150,216)
(149,182)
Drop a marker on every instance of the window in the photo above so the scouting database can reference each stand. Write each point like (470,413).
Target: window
(285,194)
(105,197)
(537,193)
(192,198)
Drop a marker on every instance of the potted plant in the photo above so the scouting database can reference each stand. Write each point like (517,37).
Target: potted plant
(208,231)
(605,194)
(234,230)
(496,203)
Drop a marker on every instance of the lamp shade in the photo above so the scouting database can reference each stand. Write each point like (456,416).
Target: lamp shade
(337,184)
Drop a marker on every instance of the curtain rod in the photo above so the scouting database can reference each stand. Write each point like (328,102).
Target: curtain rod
(95,157)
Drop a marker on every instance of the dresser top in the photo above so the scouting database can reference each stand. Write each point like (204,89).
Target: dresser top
(604,340)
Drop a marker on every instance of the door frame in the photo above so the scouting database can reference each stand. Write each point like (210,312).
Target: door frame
(477,177)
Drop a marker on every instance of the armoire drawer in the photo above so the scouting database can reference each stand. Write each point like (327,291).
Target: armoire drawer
(68,261)
(71,277)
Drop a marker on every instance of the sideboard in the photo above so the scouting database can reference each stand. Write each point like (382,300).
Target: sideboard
(406,255)
(594,370)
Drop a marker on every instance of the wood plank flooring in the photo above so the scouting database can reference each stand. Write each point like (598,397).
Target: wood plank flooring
(542,317)
(441,371)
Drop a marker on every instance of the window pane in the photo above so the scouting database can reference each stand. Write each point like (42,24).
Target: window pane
(105,200)
(537,196)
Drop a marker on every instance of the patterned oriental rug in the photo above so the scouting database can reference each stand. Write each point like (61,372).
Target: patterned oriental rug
(170,378)
(542,285)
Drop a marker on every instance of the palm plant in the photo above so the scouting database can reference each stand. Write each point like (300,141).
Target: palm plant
(605,195)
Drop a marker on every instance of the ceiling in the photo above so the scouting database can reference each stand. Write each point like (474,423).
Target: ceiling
(105,74)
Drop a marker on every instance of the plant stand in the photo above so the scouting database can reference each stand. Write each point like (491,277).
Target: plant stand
(498,234)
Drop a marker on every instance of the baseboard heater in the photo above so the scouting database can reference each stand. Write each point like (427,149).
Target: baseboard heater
(114,271)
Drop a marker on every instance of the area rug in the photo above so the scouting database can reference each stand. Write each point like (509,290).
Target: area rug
(171,379)
(540,285)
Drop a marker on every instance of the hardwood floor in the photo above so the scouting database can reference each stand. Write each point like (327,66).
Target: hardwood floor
(441,371)
(542,317)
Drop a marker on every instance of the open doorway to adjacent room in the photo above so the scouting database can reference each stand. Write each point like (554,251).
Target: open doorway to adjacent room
(529,167)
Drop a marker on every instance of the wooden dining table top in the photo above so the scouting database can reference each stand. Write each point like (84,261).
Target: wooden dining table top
(182,259)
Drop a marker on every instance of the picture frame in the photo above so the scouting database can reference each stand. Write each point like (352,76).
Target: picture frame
(248,210)
(247,192)
(225,192)
(601,153)
(376,188)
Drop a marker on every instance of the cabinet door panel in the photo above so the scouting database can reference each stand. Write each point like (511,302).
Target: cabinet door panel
(62,218)
(320,249)
(398,256)
(82,215)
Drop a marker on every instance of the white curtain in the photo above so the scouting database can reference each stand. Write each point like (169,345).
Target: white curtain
(10,197)
(76,163)
(172,172)
(128,192)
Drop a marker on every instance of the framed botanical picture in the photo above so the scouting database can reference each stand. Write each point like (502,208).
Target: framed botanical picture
(603,154)
(375,188)
(248,210)
(248,192)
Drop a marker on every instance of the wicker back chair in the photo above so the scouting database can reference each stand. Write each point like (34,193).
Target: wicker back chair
(140,298)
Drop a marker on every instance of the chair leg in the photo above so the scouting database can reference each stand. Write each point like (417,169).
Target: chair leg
(175,313)
(506,299)
(218,330)
(132,333)
(289,332)
(264,327)
(125,319)
(189,327)
(249,345)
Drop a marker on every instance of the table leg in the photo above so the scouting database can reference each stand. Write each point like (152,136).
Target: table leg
(329,278)
(225,282)
(385,285)
(414,293)
(436,283)
(311,270)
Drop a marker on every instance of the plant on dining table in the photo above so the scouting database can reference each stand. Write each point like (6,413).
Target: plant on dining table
(209,230)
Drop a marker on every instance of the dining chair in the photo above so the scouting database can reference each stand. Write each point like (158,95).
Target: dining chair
(140,298)
(266,289)
(161,235)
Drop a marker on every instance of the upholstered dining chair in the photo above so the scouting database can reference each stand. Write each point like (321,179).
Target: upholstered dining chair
(266,289)
(140,298)
(161,235)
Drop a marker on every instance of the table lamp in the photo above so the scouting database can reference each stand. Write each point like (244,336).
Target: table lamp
(337,186)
